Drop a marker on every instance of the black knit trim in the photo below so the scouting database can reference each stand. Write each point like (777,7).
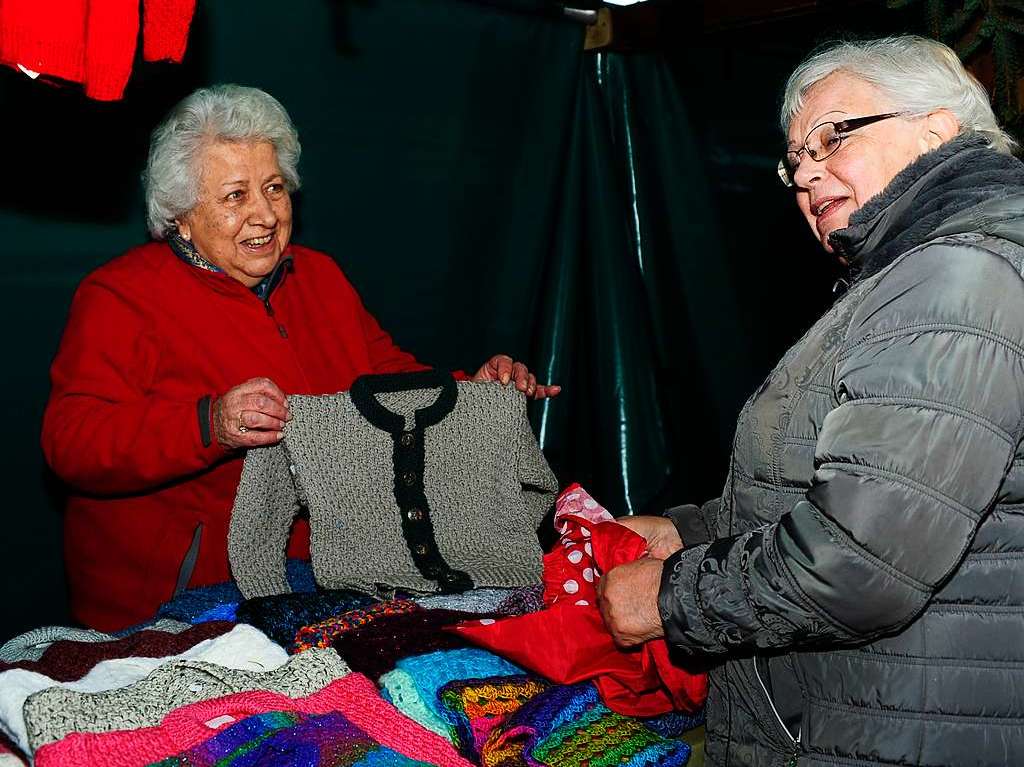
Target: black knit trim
(203,413)
(365,387)
(408,458)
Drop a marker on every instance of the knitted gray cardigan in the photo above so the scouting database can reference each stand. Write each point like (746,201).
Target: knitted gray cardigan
(410,480)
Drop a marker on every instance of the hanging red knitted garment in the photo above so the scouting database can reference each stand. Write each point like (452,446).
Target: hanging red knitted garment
(568,641)
(91,42)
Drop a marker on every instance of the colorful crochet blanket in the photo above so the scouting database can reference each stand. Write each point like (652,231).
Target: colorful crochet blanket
(290,738)
(568,726)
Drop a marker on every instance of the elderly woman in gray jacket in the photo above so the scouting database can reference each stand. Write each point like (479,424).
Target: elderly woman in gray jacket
(859,594)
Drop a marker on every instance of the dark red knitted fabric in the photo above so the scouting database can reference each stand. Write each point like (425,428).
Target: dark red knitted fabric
(91,42)
(375,648)
(66,661)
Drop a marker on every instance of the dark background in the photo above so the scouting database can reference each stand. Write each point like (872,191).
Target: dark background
(389,98)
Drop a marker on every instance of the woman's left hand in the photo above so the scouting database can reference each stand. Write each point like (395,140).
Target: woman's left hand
(503,368)
(627,596)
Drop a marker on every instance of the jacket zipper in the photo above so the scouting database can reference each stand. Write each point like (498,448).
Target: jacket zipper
(270,312)
(794,754)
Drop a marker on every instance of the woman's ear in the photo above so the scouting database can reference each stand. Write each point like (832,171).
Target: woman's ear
(184,229)
(941,126)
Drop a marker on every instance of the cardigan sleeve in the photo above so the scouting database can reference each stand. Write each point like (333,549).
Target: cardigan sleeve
(265,507)
(103,432)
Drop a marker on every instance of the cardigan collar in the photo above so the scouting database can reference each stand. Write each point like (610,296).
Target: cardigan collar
(365,388)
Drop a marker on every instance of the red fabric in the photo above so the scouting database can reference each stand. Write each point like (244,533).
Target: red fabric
(149,335)
(91,42)
(568,642)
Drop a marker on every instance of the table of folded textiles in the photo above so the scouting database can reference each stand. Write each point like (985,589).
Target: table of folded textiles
(318,677)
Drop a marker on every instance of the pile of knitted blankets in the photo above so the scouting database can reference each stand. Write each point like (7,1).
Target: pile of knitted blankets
(318,677)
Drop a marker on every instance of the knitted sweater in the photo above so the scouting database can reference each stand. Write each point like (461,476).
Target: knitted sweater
(354,695)
(91,41)
(33,644)
(241,648)
(405,488)
(52,714)
(65,661)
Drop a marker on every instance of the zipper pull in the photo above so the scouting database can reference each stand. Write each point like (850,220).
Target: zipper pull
(794,755)
(270,312)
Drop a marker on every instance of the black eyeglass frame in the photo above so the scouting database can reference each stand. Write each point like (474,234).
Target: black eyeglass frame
(842,129)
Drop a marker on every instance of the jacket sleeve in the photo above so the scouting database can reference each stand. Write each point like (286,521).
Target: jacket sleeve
(930,381)
(693,523)
(261,520)
(103,432)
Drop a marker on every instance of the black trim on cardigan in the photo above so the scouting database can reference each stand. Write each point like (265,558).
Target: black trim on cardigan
(408,460)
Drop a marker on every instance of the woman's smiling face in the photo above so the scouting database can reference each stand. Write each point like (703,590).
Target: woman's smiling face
(830,191)
(243,220)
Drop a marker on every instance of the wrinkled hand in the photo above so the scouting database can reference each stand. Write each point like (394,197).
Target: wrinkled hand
(250,415)
(503,368)
(627,596)
(661,535)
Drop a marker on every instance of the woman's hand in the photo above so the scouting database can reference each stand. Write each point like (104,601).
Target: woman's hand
(661,535)
(250,415)
(627,596)
(503,368)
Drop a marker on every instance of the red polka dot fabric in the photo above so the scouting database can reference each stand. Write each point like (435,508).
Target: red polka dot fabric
(567,642)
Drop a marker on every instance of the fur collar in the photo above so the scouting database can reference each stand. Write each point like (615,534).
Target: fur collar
(960,174)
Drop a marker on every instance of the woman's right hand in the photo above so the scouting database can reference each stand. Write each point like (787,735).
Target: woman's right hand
(661,535)
(252,414)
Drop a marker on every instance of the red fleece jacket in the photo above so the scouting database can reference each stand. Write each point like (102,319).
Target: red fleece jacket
(148,336)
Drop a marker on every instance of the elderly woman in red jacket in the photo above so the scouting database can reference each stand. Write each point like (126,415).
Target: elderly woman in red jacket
(178,356)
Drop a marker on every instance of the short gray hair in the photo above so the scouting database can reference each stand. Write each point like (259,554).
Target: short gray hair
(916,74)
(218,113)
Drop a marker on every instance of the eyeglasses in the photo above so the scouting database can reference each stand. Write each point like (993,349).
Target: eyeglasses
(823,141)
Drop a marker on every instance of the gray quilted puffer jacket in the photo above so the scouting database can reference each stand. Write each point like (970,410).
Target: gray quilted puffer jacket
(862,594)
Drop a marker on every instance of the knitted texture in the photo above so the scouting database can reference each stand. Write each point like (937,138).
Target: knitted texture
(241,648)
(528,599)
(197,603)
(417,680)
(32,644)
(280,738)
(399,689)
(53,713)
(91,41)
(376,648)
(568,726)
(473,601)
(354,696)
(65,661)
(484,479)
(282,615)
(324,633)
(473,707)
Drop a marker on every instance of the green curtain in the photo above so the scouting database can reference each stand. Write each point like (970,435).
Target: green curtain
(638,321)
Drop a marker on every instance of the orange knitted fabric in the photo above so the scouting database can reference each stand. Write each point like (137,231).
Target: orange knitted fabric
(91,42)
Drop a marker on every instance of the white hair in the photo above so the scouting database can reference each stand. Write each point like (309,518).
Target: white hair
(915,74)
(218,113)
